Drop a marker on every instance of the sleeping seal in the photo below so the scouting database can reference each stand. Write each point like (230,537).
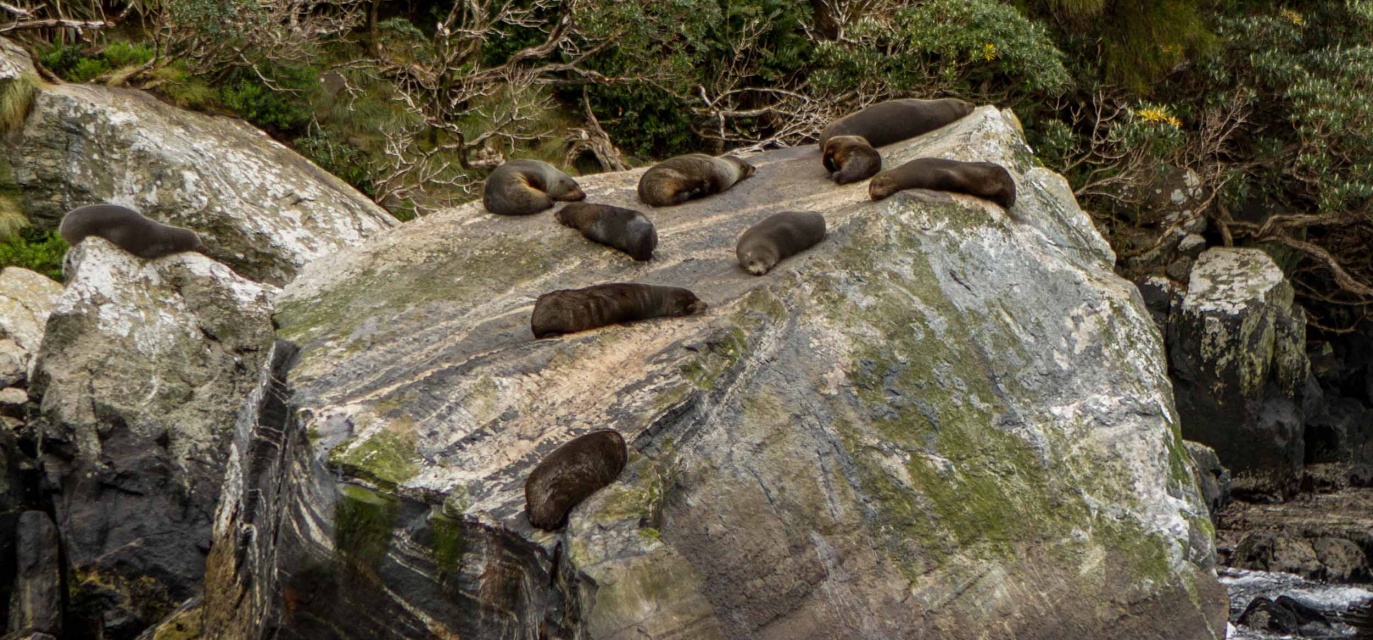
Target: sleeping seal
(524,187)
(695,175)
(573,310)
(569,475)
(850,159)
(779,237)
(896,120)
(128,229)
(623,229)
(982,179)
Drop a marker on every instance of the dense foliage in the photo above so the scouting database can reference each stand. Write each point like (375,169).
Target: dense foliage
(1269,105)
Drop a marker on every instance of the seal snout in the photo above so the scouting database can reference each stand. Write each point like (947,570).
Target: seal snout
(757,267)
(696,307)
(575,195)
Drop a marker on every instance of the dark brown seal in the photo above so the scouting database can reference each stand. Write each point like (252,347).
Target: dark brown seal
(896,120)
(850,159)
(777,238)
(982,179)
(695,175)
(573,310)
(129,229)
(569,475)
(523,187)
(624,229)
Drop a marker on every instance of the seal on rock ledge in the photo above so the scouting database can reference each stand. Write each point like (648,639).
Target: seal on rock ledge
(895,120)
(695,175)
(779,237)
(128,229)
(982,179)
(623,229)
(572,310)
(569,475)
(850,159)
(524,187)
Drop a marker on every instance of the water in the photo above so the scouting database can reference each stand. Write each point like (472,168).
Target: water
(1244,586)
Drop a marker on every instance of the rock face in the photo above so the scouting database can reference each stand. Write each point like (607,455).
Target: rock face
(36,605)
(26,299)
(943,421)
(143,369)
(1212,478)
(1238,355)
(262,209)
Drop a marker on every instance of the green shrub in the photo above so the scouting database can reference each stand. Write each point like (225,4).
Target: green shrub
(36,251)
(339,158)
(127,54)
(284,110)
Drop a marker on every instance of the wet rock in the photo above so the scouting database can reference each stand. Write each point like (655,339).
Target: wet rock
(36,603)
(1320,536)
(941,416)
(1239,368)
(1286,615)
(142,372)
(1213,478)
(260,207)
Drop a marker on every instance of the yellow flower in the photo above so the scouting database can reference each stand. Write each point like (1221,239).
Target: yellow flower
(989,52)
(1292,16)
(1158,115)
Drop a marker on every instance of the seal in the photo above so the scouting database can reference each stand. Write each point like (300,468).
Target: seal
(624,229)
(982,179)
(896,120)
(128,229)
(695,175)
(569,475)
(524,187)
(573,310)
(850,159)
(777,238)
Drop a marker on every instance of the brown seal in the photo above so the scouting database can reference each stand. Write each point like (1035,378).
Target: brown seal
(524,187)
(982,179)
(850,159)
(777,238)
(695,175)
(624,229)
(569,475)
(896,120)
(573,310)
(129,229)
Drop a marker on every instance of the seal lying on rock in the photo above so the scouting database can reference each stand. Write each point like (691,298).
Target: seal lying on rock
(129,229)
(896,120)
(573,310)
(524,187)
(570,474)
(850,159)
(779,237)
(623,229)
(695,175)
(981,179)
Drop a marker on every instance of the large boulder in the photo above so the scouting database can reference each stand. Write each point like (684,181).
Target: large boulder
(947,420)
(261,208)
(142,372)
(1237,347)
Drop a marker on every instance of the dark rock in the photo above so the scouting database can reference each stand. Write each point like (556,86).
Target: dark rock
(1277,552)
(1213,478)
(1341,560)
(1236,349)
(1339,431)
(1158,293)
(36,604)
(1319,536)
(1286,615)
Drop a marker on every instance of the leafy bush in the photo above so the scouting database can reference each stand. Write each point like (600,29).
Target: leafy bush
(339,158)
(36,251)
